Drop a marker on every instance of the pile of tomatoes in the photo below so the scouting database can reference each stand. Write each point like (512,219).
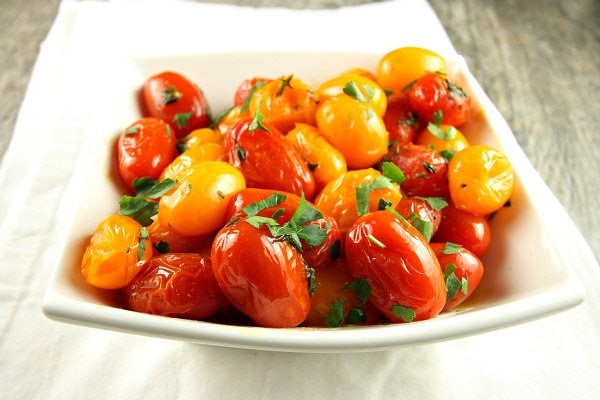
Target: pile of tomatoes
(356,202)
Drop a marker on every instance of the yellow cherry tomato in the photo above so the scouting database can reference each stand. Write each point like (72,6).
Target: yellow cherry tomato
(357,87)
(325,161)
(402,66)
(193,155)
(117,251)
(338,197)
(443,138)
(362,72)
(200,136)
(197,203)
(355,129)
(284,102)
(480,179)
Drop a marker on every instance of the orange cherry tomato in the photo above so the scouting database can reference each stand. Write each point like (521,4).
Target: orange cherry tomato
(480,179)
(324,160)
(355,129)
(176,285)
(197,203)
(116,253)
(443,138)
(193,155)
(176,100)
(338,198)
(357,87)
(285,102)
(398,68)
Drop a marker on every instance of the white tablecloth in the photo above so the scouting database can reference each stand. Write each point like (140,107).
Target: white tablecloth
(557,357)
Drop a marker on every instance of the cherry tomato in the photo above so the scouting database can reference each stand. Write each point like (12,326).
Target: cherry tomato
(401,268)
(324,160)
(176,100)
(398,68)
(193,155)
(230,118)
(409,206)
(338,198)
(176,285)
(355,129)
(362,72)
(435,93)
(116,252)
(400,120)
(357,87)
(467,269)
(315,256)
(200,136)
(443,138)
(168,240)
(267,160)
(480,179)
(197,203)
(334,285)
(245,88)
(425,170)
(144,149)
(285,102)
(263,277)
(460,227)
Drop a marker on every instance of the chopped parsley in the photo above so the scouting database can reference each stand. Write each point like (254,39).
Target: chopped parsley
(171,95)
(362,289)
(451,248)
(335,317)
(356,316)
(285,82)
(407,314)
(141,207)
(423,226)
(375,241)
(248,98)
(162,247)
(352,90)
(132,130)
(257,120)
(453,285)
(393,172)
(144,237)
(182,119)
(437,203)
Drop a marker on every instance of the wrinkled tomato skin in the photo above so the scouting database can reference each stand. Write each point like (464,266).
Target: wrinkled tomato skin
(177,285)
(190,99)
(425,170)
(460,227)
(262,277)
(244,89)
(316,257)
(414,205)
(144,149)
(405,272)
(468,266)
(400,120)
(266,160)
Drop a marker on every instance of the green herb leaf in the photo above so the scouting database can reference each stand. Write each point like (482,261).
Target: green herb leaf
(438,117)
(182,119)
(335,250)
(138,208)
(271,201)
(144,236)
(132,130)
(447,154)
(256,221)
(393,172)
(305,212)
(140,185)
(436,130)
(397,215)
(285,82)
(451,248)
(356,316)
(383,204)
(423,226)
(458,91)
(362,198)
(375,241)
(437,203)
(257,120)
(162,247)
(407,314)
(248,98)
(382,182)
(352,90)
(171,95)
(452,282)
(464,286)
(152,190)
(312,280)
(335,317)
(362,289)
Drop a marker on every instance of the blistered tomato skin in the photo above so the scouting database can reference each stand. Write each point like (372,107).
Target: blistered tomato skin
(468,270)
(176,100)
(471,231)
(116,253)
(267,160)
(177,285)
(197,203)
(401,268)
(426,171)
(263,277)
(398,68)
(144,149)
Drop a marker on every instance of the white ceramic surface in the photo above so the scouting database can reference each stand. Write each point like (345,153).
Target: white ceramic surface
(527,268)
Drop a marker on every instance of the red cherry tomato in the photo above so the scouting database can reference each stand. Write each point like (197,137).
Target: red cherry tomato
(179,285)
(425,170)
(175,99)
(144,149)
(460,227)
(409,206)
(434,92)
(400,120)
(267,160)
(263,277)
(467,269)
(404,274)
(315,256)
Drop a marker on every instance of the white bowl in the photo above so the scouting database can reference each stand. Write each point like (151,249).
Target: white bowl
(527,272)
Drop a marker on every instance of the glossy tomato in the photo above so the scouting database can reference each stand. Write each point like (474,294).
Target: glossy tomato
(398,68)
(471,231)
(402,270)
(425,170)
(463,271)
(179,285)
(262,276)
(267,160)
(175,99)
(116,252)
(400,120)
(144,149)
(409,207)
(199,152)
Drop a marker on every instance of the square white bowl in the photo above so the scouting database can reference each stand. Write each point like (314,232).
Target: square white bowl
(527,268)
